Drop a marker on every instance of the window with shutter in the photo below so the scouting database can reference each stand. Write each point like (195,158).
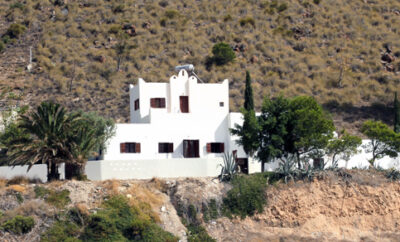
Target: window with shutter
(216,147)
(165,147)
(209,147)
(157,102)
(129,147)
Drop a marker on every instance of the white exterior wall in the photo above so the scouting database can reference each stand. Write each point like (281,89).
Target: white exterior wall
(36,171)
(146,169)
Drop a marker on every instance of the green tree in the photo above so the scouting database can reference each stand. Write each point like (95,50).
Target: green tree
(51,135)
(223,54)
(273,123)
(383,140)
(46,131)
(248,132)
(343,147)
(88,138)
(396,114)
(309,128)
(248,94)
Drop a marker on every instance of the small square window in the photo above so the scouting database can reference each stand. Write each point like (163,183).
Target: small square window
(221,104)
(137,104)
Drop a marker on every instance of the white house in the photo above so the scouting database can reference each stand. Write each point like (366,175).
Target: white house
(181,126)
(177,129)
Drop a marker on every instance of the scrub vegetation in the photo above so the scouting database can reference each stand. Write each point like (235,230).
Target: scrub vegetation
(85,53)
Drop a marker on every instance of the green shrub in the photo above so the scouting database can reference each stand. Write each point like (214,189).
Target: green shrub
(210,210)
(248,20)
(19,197)
(19,224)
(246,197)
(198,233)
(5,39)
(223,53)
(393,174)
(61,231)
(171,14)
(17,5)
(119,221)
(317,1)
(102,228)
(118,8)
(2,46)
(153,233)
(58,199)
(227,18)
(282,7)
(40,191)
(15,30)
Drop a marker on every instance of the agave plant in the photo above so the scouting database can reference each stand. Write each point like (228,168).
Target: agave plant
(287,167)
(229,168)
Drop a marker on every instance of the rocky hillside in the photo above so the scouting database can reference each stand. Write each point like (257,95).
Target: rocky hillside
(86,52)
(349,205)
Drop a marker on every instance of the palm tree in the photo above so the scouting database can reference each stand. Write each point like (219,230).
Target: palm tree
(48,130)
(82,145)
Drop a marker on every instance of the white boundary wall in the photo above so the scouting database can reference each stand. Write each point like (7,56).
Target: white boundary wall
(37,171)
(146,169)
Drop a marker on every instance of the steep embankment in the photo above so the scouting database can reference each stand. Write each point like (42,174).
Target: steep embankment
(347,206)
(361,208)
(344,53)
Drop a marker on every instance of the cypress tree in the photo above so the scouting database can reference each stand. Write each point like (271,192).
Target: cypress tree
(396,114)
(248,94)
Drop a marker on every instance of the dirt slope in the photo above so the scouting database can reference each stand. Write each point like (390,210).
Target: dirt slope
(361,206)
(324,210)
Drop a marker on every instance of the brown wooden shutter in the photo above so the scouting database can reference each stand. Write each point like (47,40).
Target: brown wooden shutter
(122,147)
(196,147)
(208,147)
(152,102)
(162,102)
(222,147)
(137,147)
(171,147)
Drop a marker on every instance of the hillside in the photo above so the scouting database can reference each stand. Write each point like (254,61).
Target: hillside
(344,206)
(344,53)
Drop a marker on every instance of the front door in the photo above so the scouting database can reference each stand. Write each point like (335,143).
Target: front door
(184,103)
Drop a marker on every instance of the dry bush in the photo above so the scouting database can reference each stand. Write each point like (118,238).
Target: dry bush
(112,186)
(3,182)
(158,184)
(18,180)
(301,48)
(29,208)
(17,188)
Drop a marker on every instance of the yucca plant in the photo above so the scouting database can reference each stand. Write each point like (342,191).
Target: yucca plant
(229,168)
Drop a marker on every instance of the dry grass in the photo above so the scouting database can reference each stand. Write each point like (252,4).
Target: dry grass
(30,208)
(17,188)
(112,186)
(298,50)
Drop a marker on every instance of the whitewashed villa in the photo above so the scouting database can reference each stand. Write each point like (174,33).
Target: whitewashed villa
(177,129)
